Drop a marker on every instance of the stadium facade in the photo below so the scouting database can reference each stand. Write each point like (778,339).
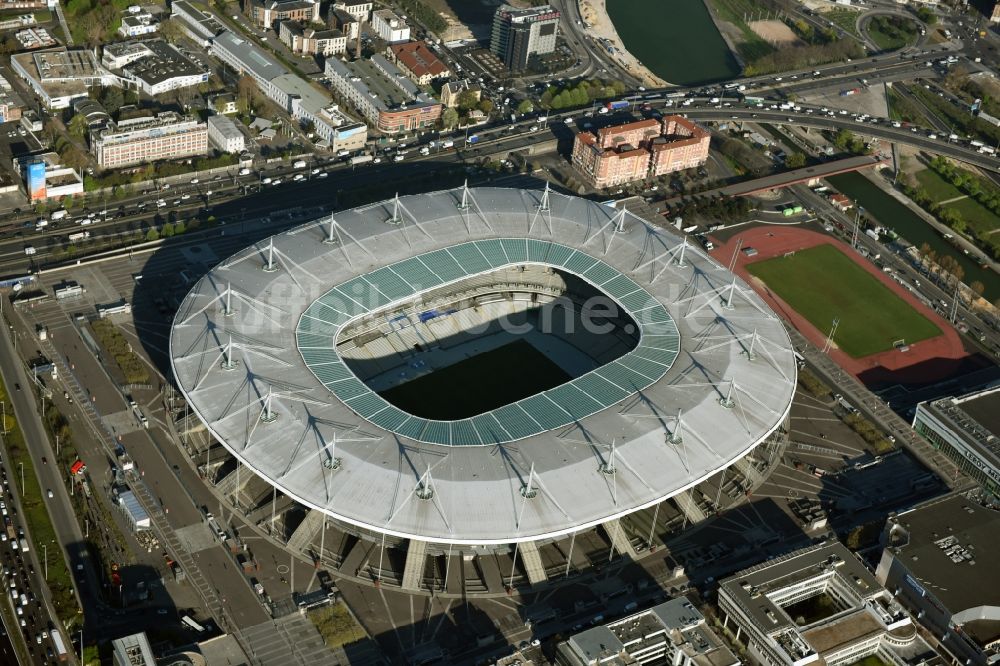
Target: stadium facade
(287,353)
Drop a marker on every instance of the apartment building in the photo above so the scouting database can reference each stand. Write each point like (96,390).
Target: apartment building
(519,34)
(166,136)
(452,90)
(268,13)
(390,27)
(418,62)
(359,10)
(638,150)
(383,95)
(304,40)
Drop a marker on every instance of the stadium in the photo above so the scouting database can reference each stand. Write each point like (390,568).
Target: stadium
(515,377)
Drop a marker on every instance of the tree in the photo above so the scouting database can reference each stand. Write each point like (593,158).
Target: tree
(795,161)
(152,234)
(526,106)
(168,230)
(467,100)
(486,106)
(449,118)
(78,126)
(977,288)
(926,15)
(112,98)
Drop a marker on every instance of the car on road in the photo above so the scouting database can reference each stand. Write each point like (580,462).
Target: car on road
(49,493)
(17,387)
(45,460)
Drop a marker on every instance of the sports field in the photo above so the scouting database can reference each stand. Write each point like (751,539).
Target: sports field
(822,283)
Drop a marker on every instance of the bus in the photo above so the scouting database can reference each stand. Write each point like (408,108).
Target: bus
(57,641)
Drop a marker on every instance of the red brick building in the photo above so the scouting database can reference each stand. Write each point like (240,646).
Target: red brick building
(638,150)
(418,62)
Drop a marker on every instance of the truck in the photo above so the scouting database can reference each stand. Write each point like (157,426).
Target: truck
(447,143)
(77,467)
(24,545)
(41,224)
(11,532)
(849,92)
(79,235)
(299,164)
(617,105)
(58,214)
(472,139)
(360,159)
(976,144)
(60,647)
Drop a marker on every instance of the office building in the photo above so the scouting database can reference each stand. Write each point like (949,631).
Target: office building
(359,10)
(200,26)
(298,97)
(418,62)
(45,178)
(822,606)
(303,40)
(383,95)
(132,650)
(224,135)
(269,13)
(673,632)
(138,23)
(390,27)
(519,34)
(938,561)
(966,430)
(452,90)
(59,76)
(153,66)
(166,136)
(344,21)
(638,150)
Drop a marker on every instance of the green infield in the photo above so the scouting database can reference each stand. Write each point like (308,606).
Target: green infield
(823,284)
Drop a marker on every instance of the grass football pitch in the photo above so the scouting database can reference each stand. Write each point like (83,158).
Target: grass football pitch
(822,284)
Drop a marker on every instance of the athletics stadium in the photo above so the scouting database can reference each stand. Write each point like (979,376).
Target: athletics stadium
(488,373)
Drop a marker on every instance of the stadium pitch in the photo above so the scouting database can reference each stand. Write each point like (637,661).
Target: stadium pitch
(822,284)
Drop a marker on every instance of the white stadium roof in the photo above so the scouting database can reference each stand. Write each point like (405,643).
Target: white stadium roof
(252,349)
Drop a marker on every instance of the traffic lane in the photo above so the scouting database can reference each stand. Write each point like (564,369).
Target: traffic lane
(33,431)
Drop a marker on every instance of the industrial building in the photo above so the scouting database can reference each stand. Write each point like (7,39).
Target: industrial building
(152,66)
(383,95)
(344,21)
(269,13)
(390,27)
(519,34)
(520,488)
(303,40)
(418,62)
(818,605)
(138,23)
(166,136)
(965,429)
(938,561)
(60,76)
(638,150)
(224,135)
(673,632)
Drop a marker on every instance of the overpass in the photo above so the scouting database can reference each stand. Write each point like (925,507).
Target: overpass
(803,175)
(915,137)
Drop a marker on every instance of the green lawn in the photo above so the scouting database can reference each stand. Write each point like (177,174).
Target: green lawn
(822,283)
(845,19)
(891,32)
(937,187)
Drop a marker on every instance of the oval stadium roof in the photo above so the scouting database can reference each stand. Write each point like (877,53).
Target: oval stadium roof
(252,349)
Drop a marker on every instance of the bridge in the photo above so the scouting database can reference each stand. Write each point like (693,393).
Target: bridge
(804,175)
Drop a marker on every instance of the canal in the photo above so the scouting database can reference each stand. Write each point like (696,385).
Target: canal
(893,215)
(677,41)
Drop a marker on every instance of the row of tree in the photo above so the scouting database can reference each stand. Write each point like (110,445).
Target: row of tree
(809,55)
(581,93)
(718,207)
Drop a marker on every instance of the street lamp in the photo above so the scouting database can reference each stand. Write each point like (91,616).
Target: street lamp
(22,477)
(45,554)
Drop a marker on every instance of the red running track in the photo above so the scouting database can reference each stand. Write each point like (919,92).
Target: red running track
(927,361)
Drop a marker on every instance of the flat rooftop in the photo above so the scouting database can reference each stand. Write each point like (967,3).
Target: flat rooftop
(967,578)
(975,419)
(388,91)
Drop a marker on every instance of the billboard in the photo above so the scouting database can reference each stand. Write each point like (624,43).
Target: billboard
(36,181)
